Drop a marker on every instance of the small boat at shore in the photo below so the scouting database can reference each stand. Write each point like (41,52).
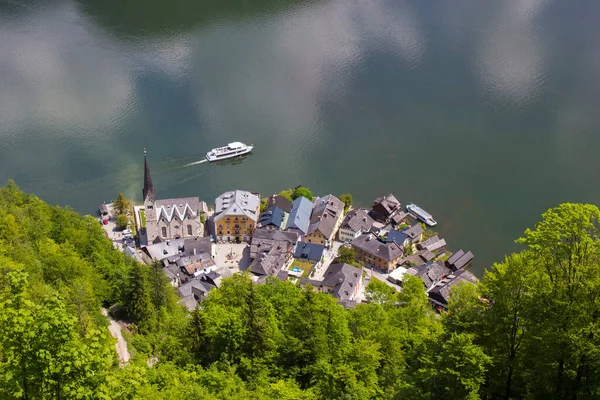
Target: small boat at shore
(421,214)
(233,149)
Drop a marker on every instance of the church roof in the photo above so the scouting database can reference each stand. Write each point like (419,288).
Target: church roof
(172,208)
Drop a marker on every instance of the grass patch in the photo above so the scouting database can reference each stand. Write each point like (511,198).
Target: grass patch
(304,266)
(143,218)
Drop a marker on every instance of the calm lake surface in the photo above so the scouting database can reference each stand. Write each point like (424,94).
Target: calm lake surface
(485,113)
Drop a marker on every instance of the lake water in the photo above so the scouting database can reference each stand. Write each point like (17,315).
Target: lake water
(485,113)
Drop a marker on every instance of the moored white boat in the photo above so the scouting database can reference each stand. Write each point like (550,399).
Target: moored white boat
(421,214)
(233,149)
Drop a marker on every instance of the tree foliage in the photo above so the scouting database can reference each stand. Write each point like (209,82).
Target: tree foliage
(122,221)
(302,191)
(527,330)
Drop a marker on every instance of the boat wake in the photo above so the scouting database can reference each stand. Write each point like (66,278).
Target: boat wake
(196,163)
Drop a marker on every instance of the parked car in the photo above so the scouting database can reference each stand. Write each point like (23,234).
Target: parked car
(127,232)
(105,221)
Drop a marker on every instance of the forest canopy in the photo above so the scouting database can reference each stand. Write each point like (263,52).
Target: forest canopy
(527,330)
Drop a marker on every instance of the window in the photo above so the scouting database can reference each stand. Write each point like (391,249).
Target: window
(236,218)
(150,207)
(220,232)
(176,226)
(164,231)
(190,230)
(228,232)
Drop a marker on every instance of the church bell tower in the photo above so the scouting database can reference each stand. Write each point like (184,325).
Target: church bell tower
(149,202)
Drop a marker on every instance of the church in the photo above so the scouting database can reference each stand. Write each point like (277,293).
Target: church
(171,218)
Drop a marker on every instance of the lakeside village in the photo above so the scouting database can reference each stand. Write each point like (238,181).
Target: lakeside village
(321,242)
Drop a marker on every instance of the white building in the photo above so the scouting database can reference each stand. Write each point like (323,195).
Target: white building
(355,224)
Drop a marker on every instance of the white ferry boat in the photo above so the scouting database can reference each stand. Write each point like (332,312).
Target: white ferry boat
(421,214)
(233,149)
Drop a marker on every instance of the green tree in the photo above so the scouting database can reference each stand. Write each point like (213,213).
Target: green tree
(346,254)
(121,204)
(122,221)
(346,198)
(287,194)
(302,191)
(138,301)
(263,204)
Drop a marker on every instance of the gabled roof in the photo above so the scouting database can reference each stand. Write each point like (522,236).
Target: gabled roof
(325,214)
(299,217)
(372,245)
(436,246)
(397,237)
(464,260)
(414,231)
(358,220)
(237,202)
(454,258)
(279,201)
(309,251)
(441,292)
(274,216)
(177,208)
(273,234)
(343,278)
(430,273)
(399,216)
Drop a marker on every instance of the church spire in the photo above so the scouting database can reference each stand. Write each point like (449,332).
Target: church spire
(148,192)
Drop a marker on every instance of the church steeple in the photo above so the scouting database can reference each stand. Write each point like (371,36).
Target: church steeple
(148,192)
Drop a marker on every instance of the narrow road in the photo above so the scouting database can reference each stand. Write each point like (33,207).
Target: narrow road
(121,346)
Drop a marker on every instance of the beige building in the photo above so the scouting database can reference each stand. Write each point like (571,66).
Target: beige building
(326,218)
(171,218)
(236,215)
(372,251)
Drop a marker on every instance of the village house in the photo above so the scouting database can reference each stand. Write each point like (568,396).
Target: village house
(433,244)
(459,260)
(384,207)
(327,215)
(171,218)
(440,293)
(271,250)
(299,218)
(342,281)
(279,201)
(196,289)
(372,251)
(236,215)
(273,218)
(430,273)
(415,233)
(398,237)
(311,252)
(355,224)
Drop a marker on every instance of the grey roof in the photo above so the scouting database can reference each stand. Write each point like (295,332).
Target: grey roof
(237,202)
(426,255)
(389,202)
(399,216)
(397,236)
(454,258)
(344,278)
(464,260)
(300,215)
(162,250)
(177,208)
(347,304)
(268,264)
(414,231)
(325,214)
(282,275)
(309,251)
(429,241)
(430,273)
(195,246)
(370,244)
(414,259)
(279,201)
(274,216)
(441,292)
(263,233)
(358,220)
(103,208)
(440,244)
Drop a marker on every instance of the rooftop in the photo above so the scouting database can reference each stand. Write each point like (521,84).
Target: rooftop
(343,278)
(171,208)
(358,220)
(238,202)
(372,245)
(299,217)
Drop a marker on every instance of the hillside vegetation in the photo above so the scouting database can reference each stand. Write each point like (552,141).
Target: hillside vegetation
(528,330)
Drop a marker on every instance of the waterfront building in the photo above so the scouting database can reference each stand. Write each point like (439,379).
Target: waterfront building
(170,218)
(299,218)
(273,218)
(372,251)
(236,215)
(355,224)
(384,207)
(326,218)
